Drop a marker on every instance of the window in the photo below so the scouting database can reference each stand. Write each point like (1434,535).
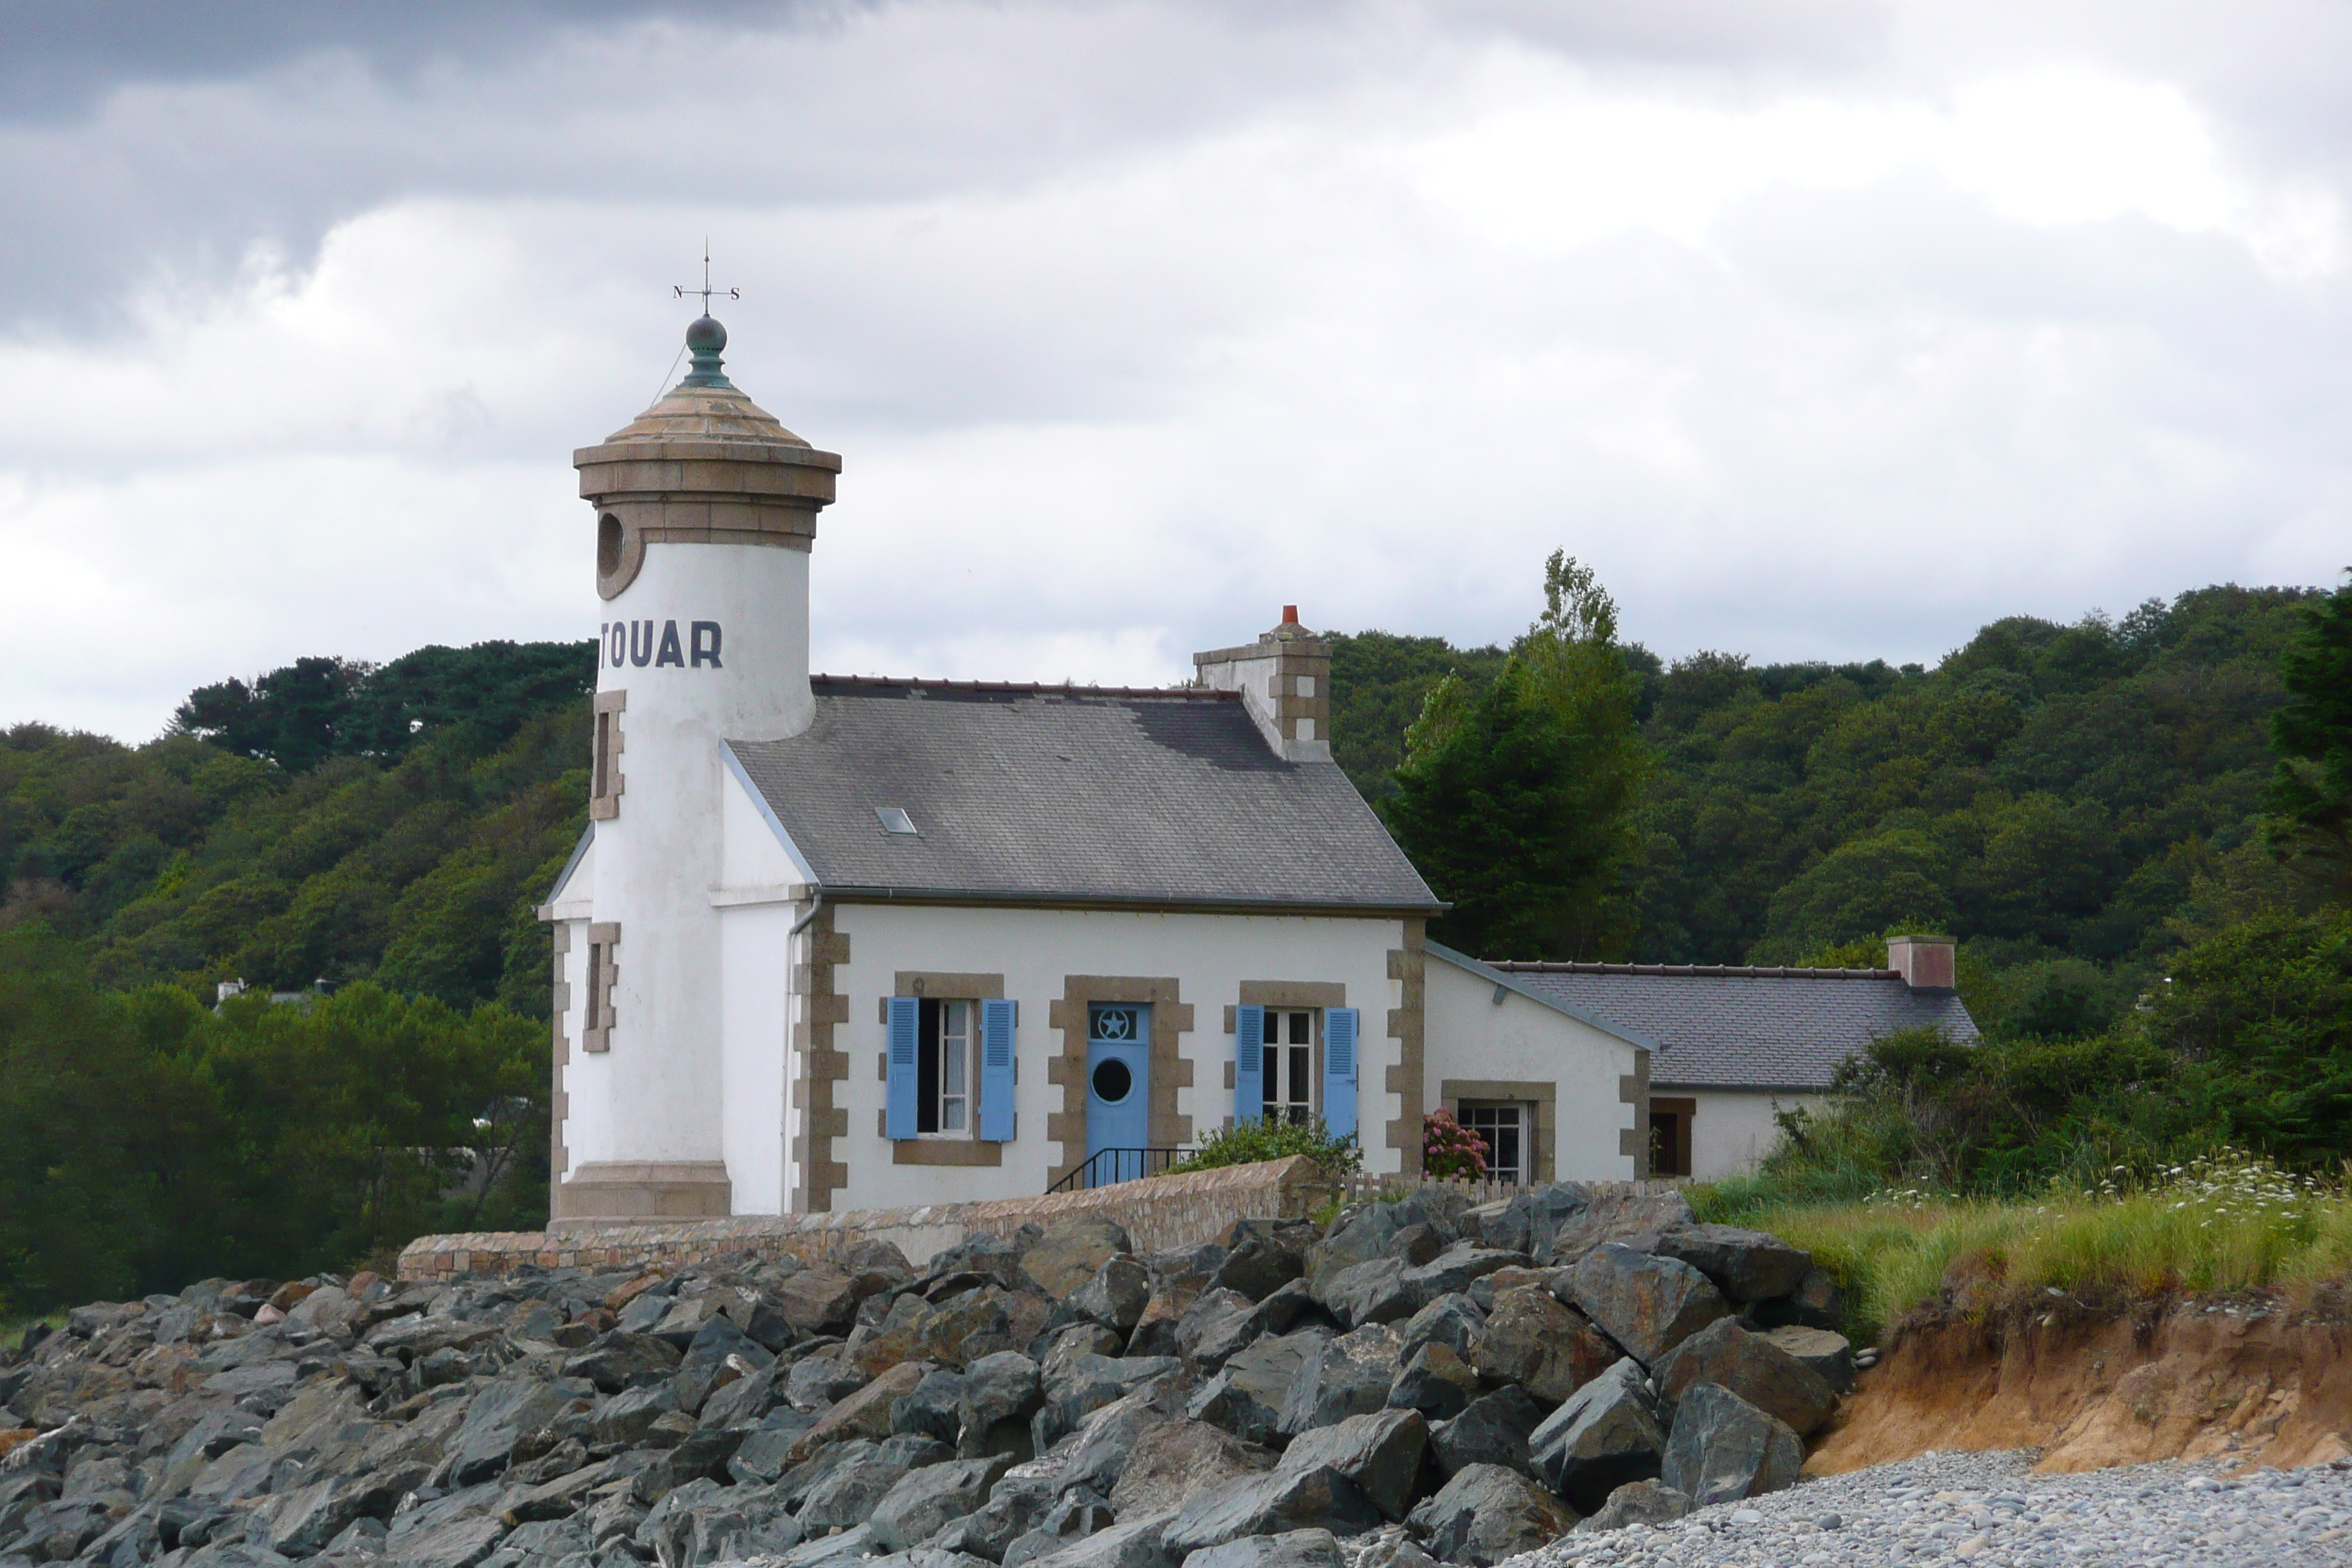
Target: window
(1502,1127)
(604,972)
(943,1068)
(1289,1064)
(605,780)
(950,1063)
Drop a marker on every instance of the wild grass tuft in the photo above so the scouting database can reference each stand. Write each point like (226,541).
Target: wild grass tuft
(2226,1223)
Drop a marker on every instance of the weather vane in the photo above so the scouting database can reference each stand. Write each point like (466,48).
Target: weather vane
(681,290)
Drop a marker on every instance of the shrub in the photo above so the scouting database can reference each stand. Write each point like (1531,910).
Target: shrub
(1449,1151)
(1254,1140)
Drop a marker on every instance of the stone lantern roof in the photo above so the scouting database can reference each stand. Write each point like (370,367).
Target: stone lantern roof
(705,406)
(705,465)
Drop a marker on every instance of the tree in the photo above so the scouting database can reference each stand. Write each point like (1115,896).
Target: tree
(2311,792)
(1516,801)
(293,717)
(314,708)
(76,1208)
(2260,1017)
(1894,880)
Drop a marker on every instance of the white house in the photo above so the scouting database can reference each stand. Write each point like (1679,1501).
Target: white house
(1732,1046)
(841,943)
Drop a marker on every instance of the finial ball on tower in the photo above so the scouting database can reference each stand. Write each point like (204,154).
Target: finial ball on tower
(705,334)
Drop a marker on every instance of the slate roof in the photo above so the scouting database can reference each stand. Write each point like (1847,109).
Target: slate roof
(1027,794)
(1726,1027)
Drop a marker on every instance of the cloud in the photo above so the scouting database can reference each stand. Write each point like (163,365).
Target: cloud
(1833,336)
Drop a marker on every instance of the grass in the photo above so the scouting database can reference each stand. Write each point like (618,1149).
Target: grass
(12,1329)
(2217,1225)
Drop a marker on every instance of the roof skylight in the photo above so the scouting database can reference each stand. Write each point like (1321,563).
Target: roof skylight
(895,819)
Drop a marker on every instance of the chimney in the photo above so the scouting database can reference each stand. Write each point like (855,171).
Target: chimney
(1284,680)
(1926,962)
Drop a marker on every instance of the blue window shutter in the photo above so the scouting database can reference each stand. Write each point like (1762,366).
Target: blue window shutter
(905,1013)
(1340,1070)
(1249,1064)
(996,1071)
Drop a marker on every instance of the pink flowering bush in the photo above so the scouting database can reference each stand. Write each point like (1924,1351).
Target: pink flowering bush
(1449,1149)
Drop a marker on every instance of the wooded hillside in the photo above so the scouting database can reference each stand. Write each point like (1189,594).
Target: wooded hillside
(2082,805)
(330,822)
(2074,801)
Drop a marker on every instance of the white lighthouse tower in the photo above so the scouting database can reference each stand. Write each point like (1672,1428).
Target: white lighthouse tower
(706,510)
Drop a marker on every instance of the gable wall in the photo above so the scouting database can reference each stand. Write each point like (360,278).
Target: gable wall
(750,853)
(1516,1050)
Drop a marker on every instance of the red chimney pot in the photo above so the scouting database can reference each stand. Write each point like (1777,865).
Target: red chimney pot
(1289,615)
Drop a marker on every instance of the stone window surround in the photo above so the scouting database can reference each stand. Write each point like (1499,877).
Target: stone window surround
(596,1033)
(1291,996)
(606,783)
(819,1066)
(966,1148)
(1171,1017)
(1542,1094)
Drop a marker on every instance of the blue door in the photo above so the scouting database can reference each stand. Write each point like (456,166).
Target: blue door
(1118,1089)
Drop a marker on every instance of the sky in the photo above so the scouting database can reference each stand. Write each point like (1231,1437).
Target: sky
(1822,329)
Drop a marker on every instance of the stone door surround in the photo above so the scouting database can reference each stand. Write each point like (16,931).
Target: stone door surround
(1171,1017)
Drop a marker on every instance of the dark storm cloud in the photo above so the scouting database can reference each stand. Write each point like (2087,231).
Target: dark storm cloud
(62,53)
(160,157)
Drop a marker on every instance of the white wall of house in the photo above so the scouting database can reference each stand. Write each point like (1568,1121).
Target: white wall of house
(762,893)
(1732,1129)
(1473,1036)
(1035,950)
(587,1132)
(587,1080)
(755,1052)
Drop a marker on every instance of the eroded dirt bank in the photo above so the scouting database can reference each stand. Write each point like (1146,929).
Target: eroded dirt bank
(2244,1381)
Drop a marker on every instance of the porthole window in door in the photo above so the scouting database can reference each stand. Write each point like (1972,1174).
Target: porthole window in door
(1113,1081)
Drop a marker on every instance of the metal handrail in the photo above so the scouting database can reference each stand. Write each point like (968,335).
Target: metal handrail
(1107,1167)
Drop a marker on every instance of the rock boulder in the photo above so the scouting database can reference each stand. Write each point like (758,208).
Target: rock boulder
(1646,1303)
(1488,1513)
(1610,1432)
(1723,1449)
(1754,1368)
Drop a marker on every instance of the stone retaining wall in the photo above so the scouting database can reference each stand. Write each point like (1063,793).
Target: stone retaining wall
(1157,1213)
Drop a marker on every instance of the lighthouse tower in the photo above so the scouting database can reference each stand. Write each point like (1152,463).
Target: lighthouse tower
(706,510)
